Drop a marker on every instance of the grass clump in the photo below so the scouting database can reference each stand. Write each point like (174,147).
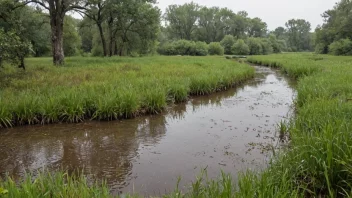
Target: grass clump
(109,89)
(59,184)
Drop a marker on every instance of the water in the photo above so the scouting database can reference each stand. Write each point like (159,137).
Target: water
(231,131)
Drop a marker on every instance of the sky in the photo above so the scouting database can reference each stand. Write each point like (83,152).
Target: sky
(274,12)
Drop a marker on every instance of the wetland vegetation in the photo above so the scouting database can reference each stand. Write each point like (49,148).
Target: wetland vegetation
(114,73)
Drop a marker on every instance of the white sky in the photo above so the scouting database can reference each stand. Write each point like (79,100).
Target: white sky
(274,12)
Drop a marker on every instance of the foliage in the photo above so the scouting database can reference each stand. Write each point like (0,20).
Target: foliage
(215,48)
(199,49)
(184,47)
(13,49)
(107,89)
(299,37)
(72,40)
(255,46)
(182,20)
(337,26)
(240,48)
(341,47)
(227,42)
(266,46)
(192,21)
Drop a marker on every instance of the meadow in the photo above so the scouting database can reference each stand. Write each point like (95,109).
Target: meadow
(88,88)
(318,159)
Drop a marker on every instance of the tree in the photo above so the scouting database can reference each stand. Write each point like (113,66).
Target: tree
(240,48)
(257,28)
(337,26)
(298,31)
(15,32)
(131,22)
(227,42)
(280,33)
(181,20)
(71,39)
(57,11)
(13,49)
(95,11)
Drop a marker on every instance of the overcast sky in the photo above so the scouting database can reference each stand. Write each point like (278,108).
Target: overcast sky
(274,12)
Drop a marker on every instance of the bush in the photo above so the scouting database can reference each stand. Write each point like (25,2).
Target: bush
(341,47)
(240,48)
(255,46)
(183,47)
(215,49)
(227,42)
(266,46)
(321,48)
(199,49)
(167,49)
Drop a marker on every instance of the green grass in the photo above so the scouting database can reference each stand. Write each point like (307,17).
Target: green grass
(109,89)
(318,160)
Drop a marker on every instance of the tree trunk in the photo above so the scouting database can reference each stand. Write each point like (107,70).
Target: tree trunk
(115,49)
(57,26)
(22,63)
(102,38)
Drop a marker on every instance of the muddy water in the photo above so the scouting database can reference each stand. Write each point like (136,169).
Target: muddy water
(230,131)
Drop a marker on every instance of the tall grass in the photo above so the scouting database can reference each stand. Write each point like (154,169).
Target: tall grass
(108,89)
(53,185)
(319,161)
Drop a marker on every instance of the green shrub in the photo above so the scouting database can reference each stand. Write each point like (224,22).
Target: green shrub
(255,46)
(341,47)
(266,46)
(183,47)
(227,42)
(199,49)
(215,49)
(240,48)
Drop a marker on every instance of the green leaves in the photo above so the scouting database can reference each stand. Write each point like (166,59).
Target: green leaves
(3,191)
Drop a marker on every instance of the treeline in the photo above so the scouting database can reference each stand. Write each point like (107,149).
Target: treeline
(137,27)
(335,35)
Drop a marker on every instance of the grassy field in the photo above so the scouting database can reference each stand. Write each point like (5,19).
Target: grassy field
(108,89)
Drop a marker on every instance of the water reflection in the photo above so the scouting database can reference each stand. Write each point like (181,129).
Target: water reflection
(146,154)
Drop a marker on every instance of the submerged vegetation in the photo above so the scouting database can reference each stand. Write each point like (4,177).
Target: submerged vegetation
(108,89)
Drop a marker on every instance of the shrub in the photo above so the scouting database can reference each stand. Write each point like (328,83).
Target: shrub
(183,47)
(282,45)
(199,49)
(215,49)
(341,47)
(255,46)
(227,42)
(266,46)
(321,48)
(240,48)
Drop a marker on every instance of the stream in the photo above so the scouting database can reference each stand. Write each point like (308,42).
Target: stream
(233,131)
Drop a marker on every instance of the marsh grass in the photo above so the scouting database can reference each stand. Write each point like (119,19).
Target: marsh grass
(318,163)
(109,89)
(54,185)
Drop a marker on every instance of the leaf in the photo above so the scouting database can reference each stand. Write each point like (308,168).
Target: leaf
(3,191)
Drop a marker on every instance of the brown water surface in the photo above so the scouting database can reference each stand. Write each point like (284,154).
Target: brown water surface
(231,131)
